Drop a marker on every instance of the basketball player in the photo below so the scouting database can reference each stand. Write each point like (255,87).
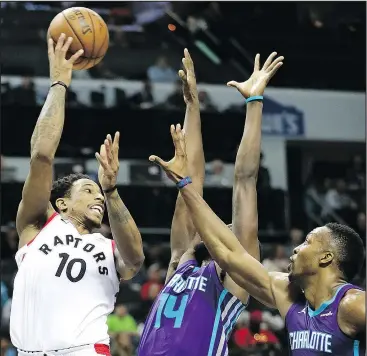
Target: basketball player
(324,313)
(200,301)
(67,279)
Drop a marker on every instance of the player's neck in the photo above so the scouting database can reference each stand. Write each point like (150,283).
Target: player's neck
(78,224)
(321,288)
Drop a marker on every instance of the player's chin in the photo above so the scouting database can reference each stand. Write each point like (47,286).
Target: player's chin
(95,221)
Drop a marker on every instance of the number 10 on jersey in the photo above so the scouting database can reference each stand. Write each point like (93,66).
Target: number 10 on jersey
(166,307)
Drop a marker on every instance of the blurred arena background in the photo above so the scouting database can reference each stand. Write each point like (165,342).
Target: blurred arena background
(313,149)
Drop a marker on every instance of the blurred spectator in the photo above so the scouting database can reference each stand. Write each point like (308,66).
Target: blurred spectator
(72,100)
(5,315)
(122,345)
(6,94)
(151,288)
(194,24)
(4,294)
(25,94)
(161,72)
(315,199)
(296,237)
(7,172)
(175,100)
(100,71)
(119,38)
(154,255)
(213,12)
(361,225)
(338,201)
(278,261)
(121,321)
(144,98)
(263,178)
(337,198)
(7,348)
(9,245)
(81,74)
(255,334)
(217,175)
(205,101)
(356,175)
(265,194)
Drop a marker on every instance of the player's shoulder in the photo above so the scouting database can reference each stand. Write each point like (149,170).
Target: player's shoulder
(352,312)
(352,301)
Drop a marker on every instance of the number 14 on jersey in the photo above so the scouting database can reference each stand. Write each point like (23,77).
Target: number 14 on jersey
(167,304)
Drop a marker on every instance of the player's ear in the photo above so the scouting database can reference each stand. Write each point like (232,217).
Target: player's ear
(61,205)
(326,258)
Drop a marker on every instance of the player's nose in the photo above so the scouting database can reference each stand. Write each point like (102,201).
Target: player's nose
(100,198)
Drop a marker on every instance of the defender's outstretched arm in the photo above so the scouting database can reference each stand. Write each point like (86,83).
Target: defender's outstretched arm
(221,242)
(182,230)
(244,211)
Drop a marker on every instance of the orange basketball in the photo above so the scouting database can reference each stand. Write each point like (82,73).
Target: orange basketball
(89,33)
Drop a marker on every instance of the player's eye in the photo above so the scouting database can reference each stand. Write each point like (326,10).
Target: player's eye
(88,190)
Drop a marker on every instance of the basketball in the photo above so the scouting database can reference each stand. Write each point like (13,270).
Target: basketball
(89,32)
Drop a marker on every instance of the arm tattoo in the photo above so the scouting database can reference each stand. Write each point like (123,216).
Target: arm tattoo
(50,122)
(121,216)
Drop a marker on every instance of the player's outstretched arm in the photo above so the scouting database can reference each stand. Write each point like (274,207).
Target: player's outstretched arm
(244,213)
(130,255)
(182,230)
(35,208)
(222,244)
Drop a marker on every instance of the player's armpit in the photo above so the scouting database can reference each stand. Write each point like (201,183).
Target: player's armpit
(352,313)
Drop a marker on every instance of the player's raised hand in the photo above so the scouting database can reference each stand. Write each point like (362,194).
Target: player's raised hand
(260,78)
(187,75)
(60,67)
(108,158)
(176,169)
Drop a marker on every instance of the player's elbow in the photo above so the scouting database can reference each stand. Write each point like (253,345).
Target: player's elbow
(39,155)
(176,255)
(131,269)
(245,175)
(225,260)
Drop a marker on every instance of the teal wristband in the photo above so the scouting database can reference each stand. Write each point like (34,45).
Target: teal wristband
(183,182)
(253,98)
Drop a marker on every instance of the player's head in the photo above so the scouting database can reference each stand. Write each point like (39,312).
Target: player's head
(333,248)
(77,196)
(202,255)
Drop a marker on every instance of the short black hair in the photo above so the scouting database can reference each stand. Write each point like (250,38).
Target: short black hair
(62,186)
(350,250)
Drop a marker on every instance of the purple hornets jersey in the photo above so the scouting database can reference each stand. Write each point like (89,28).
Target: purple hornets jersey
(316,332)
(193,315)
